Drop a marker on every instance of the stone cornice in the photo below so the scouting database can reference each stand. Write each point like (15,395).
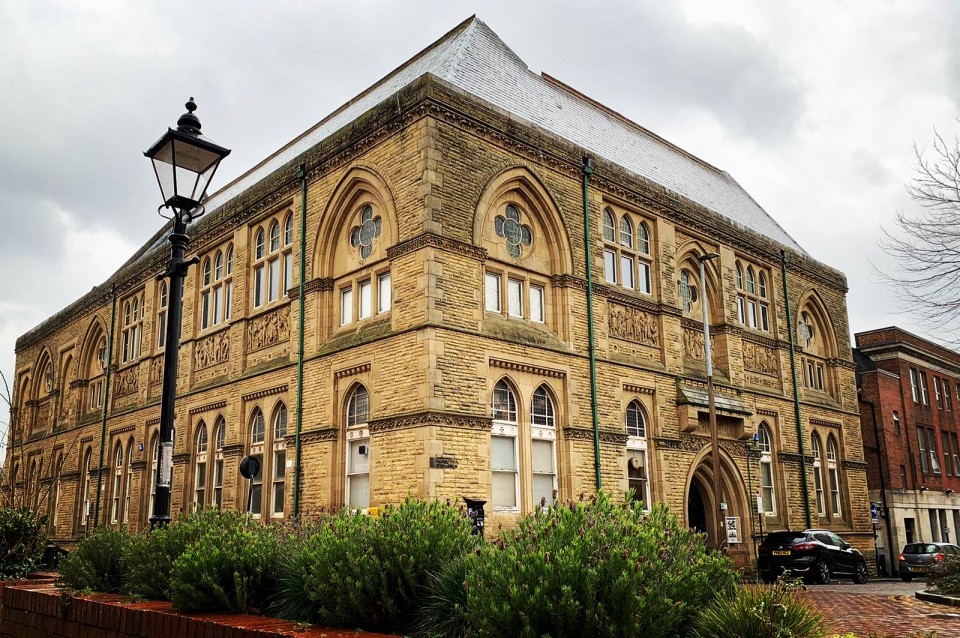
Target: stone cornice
(859,466)
(313,436)
(70,476)
(314,285)
(153,421)
(138,465)
(124,429)
(352,371)
(433,240)
(216,405)
(616,296)
(234,449)
(253,396)
(793,457)
(761,340)
(181,458)
(529,368)
(586,434)
(428,418)
(765,412)
(828,424)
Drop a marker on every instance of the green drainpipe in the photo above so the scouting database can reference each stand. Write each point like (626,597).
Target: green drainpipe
(796,392)
(302,175)
(106,401)
(587,170)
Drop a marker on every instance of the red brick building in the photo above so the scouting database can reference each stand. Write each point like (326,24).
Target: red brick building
(909,391)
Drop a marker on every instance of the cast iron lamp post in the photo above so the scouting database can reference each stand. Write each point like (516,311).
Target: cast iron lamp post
(719,515)
(184,162)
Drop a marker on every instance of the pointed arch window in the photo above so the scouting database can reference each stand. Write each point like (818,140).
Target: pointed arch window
(257,436)
(117,482)
(162,316)
(543,448)
(768,497)
(55,500)
(216,292)
(818,475)
(152,476)
(626,257)
(218,439)
(279,460)
(132,328)
(503,449)
(753,307)
(273,262)
(637,474)
(813,364)
(689,290)
(358,449)
(127,483)
(836,510)
(85,491)
(200,467)
(98,364)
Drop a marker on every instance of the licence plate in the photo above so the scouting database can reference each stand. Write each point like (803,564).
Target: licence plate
(781,552)
(918,569)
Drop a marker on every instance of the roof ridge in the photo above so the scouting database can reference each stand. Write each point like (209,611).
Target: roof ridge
(626,120)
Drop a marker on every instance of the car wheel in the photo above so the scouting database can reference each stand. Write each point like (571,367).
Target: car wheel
(861,575)
(906,577)
(822,572)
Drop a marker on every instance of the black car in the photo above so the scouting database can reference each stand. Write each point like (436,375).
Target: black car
(816,554)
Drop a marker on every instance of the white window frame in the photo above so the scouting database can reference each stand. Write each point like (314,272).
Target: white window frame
(201,448)
(279,462)
(914,389)
(358,435)
(818,478)
(117,484)
(506,426)
(768,491)
(637,447)
(543,430)
(836,504)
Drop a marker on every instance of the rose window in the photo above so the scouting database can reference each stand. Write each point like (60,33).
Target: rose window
(510,228)
(362,236)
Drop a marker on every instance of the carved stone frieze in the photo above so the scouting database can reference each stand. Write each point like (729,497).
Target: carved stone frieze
(268,329)
(236,449)
(432,240)
(693,347)
(43,418)
(212,350)
(312,436)
(586,434)
(762,359)
(156,371)
(181,458)
(439,419)
(632,324)
(128,380)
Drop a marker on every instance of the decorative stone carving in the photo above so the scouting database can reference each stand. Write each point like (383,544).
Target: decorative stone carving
(634,325)
(693,344)
(156,371)
(586,434)
(269,329)
(127,381)
(424,419)
(43,416)
(760,359)
(211,351)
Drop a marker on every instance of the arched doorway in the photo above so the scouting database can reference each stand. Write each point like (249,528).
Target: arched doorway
(696,508)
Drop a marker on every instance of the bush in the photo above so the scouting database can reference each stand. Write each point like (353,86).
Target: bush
(594,569)
(23,537)
(944,578)
(149,557)
(444,609)
(96,564)
(352,570)
(233,566)
(763,612)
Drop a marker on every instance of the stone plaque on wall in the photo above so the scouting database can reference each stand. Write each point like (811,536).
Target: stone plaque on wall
(693,347)
(127,381)
(269,329)
(632,324)
(212,350)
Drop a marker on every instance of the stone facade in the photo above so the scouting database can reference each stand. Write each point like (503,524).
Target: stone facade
(910,418)
(446,342)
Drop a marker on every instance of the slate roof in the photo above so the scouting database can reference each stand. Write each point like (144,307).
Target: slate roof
(473,58)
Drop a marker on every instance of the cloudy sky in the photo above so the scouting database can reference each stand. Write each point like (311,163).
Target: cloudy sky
(812,105)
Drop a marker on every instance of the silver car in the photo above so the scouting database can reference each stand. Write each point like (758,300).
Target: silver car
(917,558)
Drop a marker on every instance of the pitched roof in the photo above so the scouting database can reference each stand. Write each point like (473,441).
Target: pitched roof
(473,58)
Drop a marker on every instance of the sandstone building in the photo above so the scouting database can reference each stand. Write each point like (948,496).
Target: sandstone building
(909,392)
(445,325)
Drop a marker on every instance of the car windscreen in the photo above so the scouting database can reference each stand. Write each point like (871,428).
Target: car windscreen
(920,548)
(783,538)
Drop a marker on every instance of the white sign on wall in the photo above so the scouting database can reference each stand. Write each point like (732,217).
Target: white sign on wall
(733,529)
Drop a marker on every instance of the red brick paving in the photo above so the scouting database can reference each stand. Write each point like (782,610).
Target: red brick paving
(884,614)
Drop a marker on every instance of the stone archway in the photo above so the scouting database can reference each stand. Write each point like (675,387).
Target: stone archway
(696,507)
(702,509)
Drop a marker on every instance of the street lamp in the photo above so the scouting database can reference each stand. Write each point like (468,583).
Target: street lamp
(184,162)
(711,401)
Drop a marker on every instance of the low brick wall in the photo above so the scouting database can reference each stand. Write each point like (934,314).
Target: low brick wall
(36,609)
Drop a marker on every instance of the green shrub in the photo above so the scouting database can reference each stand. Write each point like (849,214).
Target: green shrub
(352,570)
(944,578)
(149,557)
(96,564)
(764,612)
(233,566)
(23,537)
(443,613)
(594,569)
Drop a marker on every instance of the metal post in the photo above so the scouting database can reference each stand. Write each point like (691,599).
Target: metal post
(176,270)
(711,401)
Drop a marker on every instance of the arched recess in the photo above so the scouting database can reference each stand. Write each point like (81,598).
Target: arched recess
(360,187)
(549,251)
(43,378)
(687,260)
(733,488)
(811,303)
(89,355)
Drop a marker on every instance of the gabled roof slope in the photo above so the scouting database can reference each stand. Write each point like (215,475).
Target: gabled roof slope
(473,58)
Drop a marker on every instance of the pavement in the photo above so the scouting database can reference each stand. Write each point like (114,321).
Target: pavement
(885,607)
